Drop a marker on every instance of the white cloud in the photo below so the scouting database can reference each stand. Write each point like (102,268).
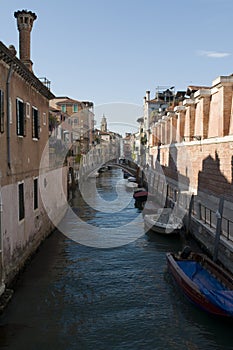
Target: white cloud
(213,54)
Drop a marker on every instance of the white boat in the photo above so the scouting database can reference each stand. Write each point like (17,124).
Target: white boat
(131,185)
(132,179)
(163,221)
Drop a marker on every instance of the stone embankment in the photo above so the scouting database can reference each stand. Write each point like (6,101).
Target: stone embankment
(200,213)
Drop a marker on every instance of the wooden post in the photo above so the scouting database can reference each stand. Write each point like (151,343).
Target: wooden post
(158,184)
(218,228)
(166,200)
(190,214)
(199,211)
(138,174)
(154,183)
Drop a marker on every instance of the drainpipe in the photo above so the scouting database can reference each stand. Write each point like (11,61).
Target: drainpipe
(2,285)
(8,115)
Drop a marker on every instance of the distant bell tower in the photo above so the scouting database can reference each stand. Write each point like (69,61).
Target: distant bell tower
(25,21)
(103,124)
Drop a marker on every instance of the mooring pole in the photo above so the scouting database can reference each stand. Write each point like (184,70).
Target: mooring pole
(191,204)
(218,228)
(166,199)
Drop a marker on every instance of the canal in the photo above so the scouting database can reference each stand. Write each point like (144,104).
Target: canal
(75,296)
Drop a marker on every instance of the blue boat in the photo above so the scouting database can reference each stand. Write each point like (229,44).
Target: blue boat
(205,283)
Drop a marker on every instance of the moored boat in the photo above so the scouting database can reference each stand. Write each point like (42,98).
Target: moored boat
(206,284)
(140,196)
(126,174)
(131,185)
(132,179)
(163,221)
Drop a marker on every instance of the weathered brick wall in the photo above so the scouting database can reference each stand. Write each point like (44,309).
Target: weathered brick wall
(220,107)
(231,120)
(227,100)
(204,166)
(202,115)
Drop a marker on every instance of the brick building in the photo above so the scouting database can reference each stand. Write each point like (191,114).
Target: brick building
(76,122)
(24,133)
(195,140)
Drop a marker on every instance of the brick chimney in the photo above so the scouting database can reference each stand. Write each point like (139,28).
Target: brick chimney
(148,95)
(25,21)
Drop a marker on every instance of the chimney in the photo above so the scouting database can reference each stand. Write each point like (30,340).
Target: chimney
(25,21)
(148,95)
(12,50)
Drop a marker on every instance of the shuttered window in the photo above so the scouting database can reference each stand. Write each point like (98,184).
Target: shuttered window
(20,118)
(35,123)
(21,201)
(35,193)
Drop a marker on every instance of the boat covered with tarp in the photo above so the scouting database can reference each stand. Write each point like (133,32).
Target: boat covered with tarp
(204,282)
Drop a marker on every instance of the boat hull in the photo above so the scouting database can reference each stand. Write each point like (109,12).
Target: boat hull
(191,290)
(140,196)
(163,221)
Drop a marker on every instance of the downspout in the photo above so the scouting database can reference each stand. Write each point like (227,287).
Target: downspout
(2,285)
(8,115)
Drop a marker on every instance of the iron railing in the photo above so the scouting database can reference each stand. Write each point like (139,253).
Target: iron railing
(209,217)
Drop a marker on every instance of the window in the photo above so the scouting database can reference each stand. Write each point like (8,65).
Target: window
(75,108)
(1,111)
(35,193)
(35,124)
(21,200)
(63,108)
(20,118)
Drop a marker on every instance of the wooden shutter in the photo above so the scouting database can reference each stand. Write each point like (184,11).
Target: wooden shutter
(24,119)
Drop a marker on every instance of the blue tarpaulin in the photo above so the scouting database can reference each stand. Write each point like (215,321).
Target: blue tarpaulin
(208,285)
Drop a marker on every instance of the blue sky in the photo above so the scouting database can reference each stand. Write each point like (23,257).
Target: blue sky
(111,52)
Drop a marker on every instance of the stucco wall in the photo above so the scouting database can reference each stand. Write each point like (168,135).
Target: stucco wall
(21,238)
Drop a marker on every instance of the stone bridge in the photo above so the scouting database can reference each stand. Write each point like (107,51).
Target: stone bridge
(106,155)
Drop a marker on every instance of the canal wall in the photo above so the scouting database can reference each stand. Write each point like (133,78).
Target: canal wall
(198,202)
(191,148)
(199,166)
